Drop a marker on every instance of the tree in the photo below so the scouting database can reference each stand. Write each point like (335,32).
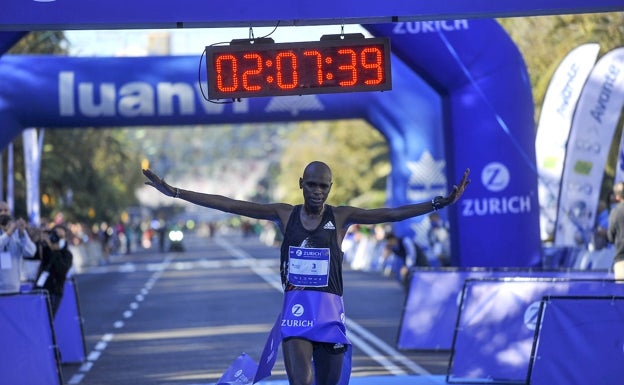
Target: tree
(90,175)
(41,42)
(356,152)
(545,40)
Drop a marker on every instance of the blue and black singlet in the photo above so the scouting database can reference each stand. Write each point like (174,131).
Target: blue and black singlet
(323,237)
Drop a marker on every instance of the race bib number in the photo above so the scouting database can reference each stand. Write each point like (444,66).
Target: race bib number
(308,267)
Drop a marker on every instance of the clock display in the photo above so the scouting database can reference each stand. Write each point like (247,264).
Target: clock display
(331,65)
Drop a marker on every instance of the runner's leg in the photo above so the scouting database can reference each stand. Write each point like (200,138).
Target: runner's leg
(327,364)
(298,361)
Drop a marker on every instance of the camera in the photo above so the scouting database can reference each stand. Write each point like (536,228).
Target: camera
(54,237)
(4,220)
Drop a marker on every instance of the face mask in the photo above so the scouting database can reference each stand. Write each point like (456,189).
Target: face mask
(61,243)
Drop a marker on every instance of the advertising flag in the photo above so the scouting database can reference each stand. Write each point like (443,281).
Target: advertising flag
(553,129)
(593,127)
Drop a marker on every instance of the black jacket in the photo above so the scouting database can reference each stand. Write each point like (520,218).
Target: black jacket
(57,263)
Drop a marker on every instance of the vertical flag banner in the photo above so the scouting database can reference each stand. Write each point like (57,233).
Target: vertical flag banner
(32,164)
(553,129)
(593,126)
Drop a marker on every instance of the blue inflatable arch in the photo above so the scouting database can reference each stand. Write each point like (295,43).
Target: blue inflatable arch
(461,98)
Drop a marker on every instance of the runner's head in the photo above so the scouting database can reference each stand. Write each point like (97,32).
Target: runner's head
(316,184)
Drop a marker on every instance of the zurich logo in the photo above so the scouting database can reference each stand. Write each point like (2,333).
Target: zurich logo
(297,310)
(495,176)
(299,253)
(531,314)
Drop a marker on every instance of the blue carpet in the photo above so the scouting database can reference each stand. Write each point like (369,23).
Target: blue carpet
(383,380)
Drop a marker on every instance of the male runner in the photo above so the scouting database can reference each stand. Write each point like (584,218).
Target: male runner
(313,331)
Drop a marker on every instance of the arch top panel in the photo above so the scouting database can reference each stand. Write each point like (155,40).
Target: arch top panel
(20,15)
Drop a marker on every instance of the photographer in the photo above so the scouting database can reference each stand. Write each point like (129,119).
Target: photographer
(15,244)
(56,261)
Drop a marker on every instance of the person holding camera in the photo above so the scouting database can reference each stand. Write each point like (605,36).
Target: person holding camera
(15,244)
(56,261)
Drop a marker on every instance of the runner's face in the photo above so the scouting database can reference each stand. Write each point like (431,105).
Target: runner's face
(316,186)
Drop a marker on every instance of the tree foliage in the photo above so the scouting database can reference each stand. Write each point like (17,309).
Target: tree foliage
(41,42)
(356,152)
(90,175)
(544,41)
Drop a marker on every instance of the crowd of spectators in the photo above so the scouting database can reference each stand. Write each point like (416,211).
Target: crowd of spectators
(377,249)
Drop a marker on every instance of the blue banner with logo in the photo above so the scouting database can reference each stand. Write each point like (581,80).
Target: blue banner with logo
(487,126)
(432,303)
(579,341)
(508,310)
(29,351)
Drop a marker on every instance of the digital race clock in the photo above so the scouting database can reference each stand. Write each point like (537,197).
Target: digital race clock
(336,63)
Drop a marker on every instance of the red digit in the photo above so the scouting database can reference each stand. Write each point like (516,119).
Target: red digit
(376,64)
(251,72)
(319,64)
(219,64)
(349,67)
(279,64)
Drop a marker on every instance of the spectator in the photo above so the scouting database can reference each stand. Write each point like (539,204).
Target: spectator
(439,240)
(56,261)
(406,254)
(615,231)
(15,245)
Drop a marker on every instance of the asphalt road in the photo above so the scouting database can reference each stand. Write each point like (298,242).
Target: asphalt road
(181,318)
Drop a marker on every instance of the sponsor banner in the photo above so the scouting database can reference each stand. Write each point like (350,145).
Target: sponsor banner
(594,123)
(497,321)
(29,347)
(32,165)
(99,92)
(586,328)
(478,68)
(428,321)
(553,129)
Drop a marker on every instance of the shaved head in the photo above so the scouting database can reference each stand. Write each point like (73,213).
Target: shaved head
(316,167)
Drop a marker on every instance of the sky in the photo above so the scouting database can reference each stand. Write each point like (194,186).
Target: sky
(187,41)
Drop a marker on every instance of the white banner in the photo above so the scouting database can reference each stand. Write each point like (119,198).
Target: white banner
(553,129)
(593,126)
(32,165)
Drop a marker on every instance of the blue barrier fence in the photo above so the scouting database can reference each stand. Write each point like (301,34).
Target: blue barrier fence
(432,303)
(579,341)
(497,324)
(33,345)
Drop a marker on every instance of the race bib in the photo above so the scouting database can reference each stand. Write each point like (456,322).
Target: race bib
(308,267)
